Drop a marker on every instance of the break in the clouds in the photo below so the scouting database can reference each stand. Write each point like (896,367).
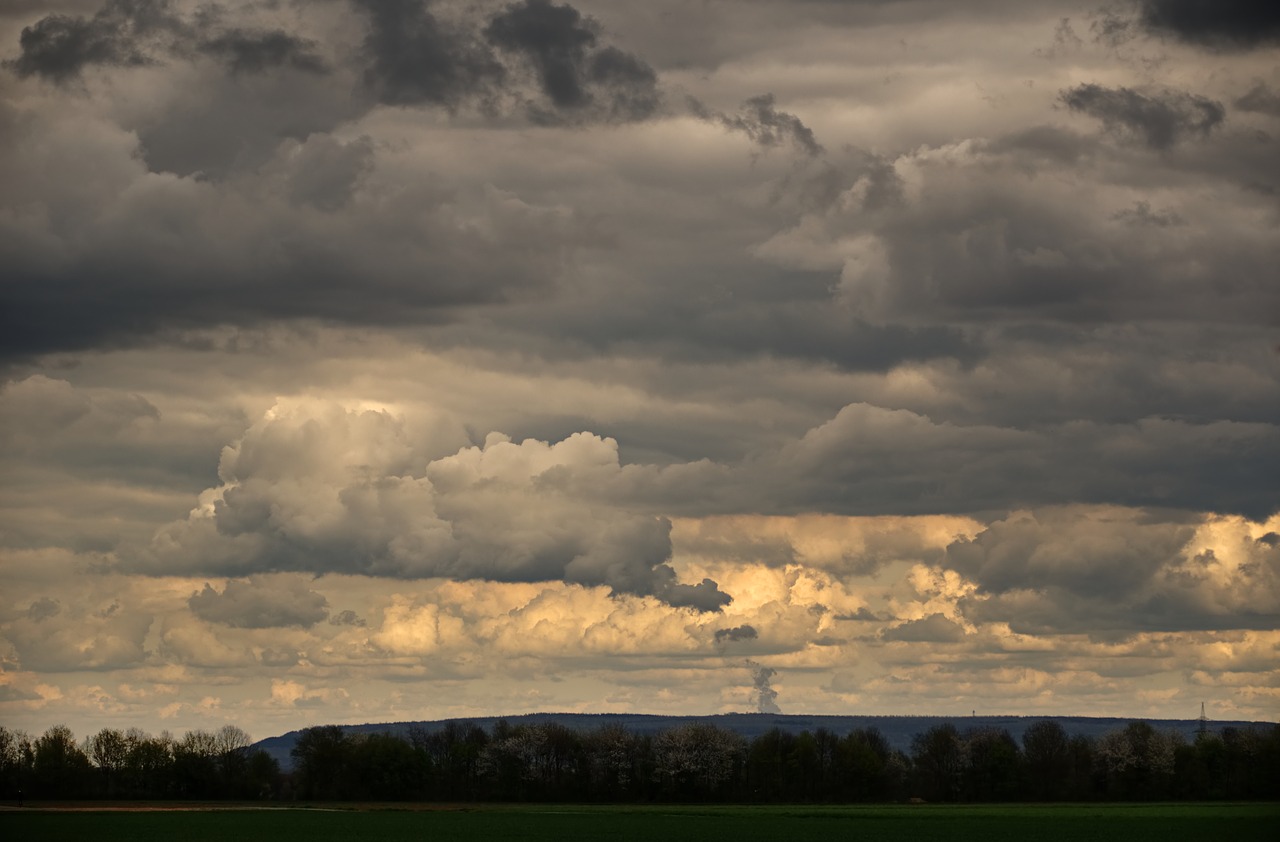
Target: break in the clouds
(391,360)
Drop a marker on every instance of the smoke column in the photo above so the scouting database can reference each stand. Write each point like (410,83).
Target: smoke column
(766,696)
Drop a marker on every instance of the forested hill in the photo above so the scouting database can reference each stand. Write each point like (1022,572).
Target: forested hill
(897,730)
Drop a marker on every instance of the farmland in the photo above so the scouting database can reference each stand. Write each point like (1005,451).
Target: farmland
(344,823)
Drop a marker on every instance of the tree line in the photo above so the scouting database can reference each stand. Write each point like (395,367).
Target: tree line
(135,765)
(696,762)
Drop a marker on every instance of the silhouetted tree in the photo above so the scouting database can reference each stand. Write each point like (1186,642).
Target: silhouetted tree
(937,761)
(322,762)
(148,765)
(1137,762)
(60,769)
(17,755)
(864,766)
(108,749)
(698,761)
(385,767)
(1047,758)
(616,771)
(768,758)
(992,763)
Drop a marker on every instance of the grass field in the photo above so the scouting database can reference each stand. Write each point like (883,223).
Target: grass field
(1131,823)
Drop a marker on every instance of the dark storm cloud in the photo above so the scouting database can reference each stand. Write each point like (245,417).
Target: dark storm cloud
(869,460)
(416,58)
(1159,119)
(132,33)
(556,41)
(250,253)
(59,47)
(574,72)
(797,330)
(1217,23)
(249,51)
(761,121)
(737,633)
(223,124)
(705,596)
(974,232)
(347,618)
(260,604)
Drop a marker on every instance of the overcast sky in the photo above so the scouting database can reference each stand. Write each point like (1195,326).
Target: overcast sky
(371,361)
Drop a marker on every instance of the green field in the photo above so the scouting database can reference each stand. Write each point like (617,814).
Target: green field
(1131,823)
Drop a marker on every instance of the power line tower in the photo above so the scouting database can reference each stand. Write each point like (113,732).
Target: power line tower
(1203,728)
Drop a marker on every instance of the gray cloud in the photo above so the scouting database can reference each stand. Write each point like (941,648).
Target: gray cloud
(934,628)
(43,608)
(9,693)
(1142,214)
(279,657)
(1260,99)
(704,596)
(1082,550)
(973,232)
(737,633)
(59,47)
(223,124)
(249,51)
(414,57)
(506,512)
(1159,119)
(347,618)
(72,635)
(138,33)
(575,74)
(260,603)
(324,172)
(761,121)
(864,615)
(1117,571)
(868,460)
(415,247)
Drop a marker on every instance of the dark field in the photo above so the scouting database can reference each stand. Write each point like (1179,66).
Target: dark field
(1131,823)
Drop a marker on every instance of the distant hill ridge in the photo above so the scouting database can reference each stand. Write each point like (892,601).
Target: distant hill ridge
(898,730)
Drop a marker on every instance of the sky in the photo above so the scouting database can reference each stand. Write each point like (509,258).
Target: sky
(380,361)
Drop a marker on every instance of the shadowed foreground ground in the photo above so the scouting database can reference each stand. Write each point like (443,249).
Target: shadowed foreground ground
(1132,823)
